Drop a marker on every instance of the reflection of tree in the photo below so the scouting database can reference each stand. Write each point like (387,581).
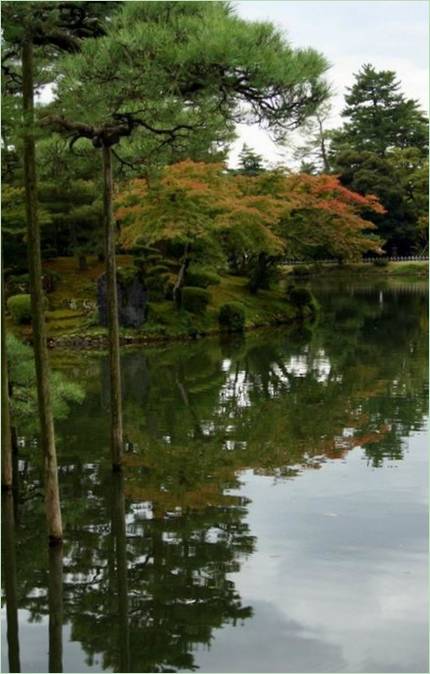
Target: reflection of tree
(147,563)
(178,590)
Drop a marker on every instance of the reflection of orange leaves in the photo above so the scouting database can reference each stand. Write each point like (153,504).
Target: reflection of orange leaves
(206,495)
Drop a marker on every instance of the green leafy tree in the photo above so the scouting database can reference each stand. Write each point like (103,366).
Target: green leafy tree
(400,180)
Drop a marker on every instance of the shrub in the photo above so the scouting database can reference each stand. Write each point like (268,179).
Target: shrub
(194,300)
(201,278)
(20,308)
(232,317)
(157,281)
(380,262)
(299,297)
(17,284)
(158,270)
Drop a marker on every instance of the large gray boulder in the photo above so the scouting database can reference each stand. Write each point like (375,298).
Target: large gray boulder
(132,298)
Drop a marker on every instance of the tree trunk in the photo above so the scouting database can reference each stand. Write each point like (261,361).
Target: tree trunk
(82,262)
(324,154)
(6,434)
(181,275)
(112,311)
(9,580)
(55,602)
(52,494)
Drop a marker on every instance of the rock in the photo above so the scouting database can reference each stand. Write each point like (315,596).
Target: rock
(132,300)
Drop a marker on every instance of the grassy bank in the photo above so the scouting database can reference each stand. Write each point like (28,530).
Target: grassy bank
(411,270)
(73,312)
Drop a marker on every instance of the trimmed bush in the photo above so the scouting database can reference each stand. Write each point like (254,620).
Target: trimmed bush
(194,300)
(200,278)
(158,269)
(232,317)
(20,308)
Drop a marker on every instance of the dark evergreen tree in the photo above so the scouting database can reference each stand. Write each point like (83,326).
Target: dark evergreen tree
(379,117)
(250,163)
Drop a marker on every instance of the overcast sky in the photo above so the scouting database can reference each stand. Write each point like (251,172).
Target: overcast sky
(389,34)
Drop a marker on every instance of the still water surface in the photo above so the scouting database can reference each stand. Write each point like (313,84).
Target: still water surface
(272,516)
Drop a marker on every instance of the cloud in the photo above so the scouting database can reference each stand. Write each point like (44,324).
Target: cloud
(389,34)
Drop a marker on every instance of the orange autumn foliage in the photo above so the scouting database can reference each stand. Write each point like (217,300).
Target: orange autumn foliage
(272,212)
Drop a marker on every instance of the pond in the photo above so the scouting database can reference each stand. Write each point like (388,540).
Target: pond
(271,516)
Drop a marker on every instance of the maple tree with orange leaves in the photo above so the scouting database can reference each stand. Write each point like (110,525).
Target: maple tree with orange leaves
(203,206)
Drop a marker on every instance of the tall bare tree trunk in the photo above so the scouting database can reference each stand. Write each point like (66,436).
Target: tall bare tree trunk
(181,275)
(6,431)
(112,311)
(47,436)
(9,579)
(323,147)
(55,601)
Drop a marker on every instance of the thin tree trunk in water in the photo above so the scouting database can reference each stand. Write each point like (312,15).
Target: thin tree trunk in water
(9,580)
(6,431)
(55,601)
(112,311)
(52,494)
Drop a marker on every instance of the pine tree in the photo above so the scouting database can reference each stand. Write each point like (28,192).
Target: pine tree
(147,78)
(250,163)
(379,116)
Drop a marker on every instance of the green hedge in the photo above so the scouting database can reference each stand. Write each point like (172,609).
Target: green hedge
(232,317)
(20,308)
(201,278)
(194,299)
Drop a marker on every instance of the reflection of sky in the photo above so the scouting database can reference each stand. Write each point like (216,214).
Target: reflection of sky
(338,580)
(34,639)
(237,387)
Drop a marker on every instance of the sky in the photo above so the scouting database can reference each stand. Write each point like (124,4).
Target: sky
(389,34)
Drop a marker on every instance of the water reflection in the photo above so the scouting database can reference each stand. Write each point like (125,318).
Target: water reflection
(151,558)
